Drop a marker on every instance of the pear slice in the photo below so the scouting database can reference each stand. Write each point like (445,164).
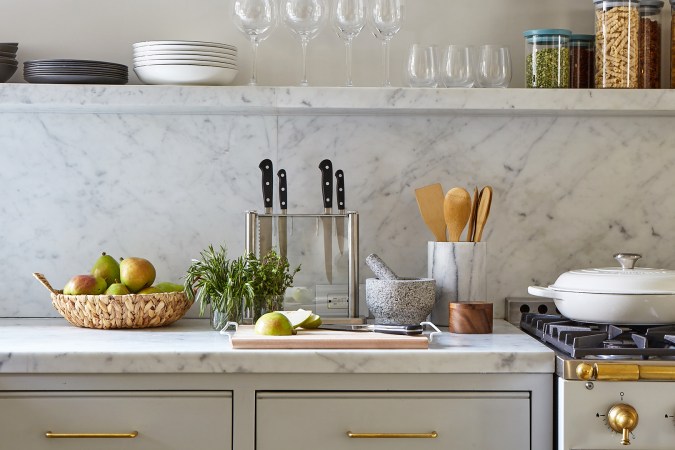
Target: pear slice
(314,321)
(297,318)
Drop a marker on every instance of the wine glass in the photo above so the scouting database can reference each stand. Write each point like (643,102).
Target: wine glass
(494,66)
(348,18)
(386,16)
(256,19)
(304,18)
(457,68)
(422,66)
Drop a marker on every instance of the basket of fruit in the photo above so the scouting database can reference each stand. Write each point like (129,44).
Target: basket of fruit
(119,295)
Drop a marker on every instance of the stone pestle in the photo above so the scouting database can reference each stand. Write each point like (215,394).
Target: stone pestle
(380,268)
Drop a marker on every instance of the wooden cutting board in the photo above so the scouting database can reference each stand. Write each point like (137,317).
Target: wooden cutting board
(245,338)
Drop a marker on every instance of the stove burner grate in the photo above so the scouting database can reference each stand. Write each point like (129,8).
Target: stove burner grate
(580,340)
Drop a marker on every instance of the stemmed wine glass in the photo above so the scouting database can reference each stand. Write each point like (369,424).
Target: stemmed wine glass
(256,19)
(304,18)
(348,18)
(386,16)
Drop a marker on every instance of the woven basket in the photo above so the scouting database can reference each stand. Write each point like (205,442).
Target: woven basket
(118,311)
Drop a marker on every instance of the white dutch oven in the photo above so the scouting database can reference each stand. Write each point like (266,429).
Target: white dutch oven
(619,295)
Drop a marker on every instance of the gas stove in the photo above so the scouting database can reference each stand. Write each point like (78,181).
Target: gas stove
(615,383)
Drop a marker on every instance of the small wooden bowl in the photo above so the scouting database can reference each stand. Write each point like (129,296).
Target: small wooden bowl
(470,318)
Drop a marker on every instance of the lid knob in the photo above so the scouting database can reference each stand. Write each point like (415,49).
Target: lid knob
(627,260)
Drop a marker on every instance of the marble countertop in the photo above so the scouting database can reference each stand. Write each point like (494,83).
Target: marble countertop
(248,100)
(191,346)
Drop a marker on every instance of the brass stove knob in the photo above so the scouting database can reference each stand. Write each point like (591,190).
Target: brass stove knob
(623,419)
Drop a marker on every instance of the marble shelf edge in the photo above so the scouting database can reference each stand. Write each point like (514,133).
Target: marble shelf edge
(246,100)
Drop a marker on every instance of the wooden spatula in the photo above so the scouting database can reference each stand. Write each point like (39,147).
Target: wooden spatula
(472,218)
(456,210)
(483,211)
(430,201)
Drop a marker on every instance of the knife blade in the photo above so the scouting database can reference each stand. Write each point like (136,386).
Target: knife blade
(326,167)
(339,221)
(375,328)
(283,206)
(265,230)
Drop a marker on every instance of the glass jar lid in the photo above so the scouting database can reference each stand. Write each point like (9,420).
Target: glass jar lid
(547,36)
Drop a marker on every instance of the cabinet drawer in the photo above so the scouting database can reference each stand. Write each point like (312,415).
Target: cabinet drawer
(163,420)
(460,420)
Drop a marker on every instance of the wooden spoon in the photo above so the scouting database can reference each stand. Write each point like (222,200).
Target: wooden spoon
(483,211)
(472,217)
(430,202)
(457,210)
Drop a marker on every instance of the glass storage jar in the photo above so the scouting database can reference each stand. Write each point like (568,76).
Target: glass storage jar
(547,58)
(616,43)
(649,35)
(672,44)
(582,60)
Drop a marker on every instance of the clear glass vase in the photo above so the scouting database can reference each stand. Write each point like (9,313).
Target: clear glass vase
(262,305)
(227,319)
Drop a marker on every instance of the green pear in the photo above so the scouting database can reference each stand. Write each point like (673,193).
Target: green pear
(117,289)
(166,286)
(85,285)
(107,268)
(149,290)
(137,273)
(273,324)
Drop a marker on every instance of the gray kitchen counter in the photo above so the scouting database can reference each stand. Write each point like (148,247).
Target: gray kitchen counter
(43,346)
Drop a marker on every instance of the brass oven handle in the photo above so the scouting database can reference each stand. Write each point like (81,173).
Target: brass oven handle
(51,435)
(431,435)
(624,372)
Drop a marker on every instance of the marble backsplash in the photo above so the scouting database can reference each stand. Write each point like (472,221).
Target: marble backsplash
(568,191)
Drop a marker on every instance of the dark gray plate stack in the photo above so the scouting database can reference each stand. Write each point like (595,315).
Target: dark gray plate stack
(74,71)
(8,62)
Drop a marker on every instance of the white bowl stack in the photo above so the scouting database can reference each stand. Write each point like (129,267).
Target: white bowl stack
(185,62)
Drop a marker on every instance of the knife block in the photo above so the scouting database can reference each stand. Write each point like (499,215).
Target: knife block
(327,283)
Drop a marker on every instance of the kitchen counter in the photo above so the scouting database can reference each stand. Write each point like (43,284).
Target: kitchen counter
(42,346)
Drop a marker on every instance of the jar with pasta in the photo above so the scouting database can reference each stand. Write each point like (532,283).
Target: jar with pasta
(616,43)
(649,35)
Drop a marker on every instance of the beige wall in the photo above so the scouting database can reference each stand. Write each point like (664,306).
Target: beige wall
(104,30)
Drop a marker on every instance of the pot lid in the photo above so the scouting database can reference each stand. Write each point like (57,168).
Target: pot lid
(626,279)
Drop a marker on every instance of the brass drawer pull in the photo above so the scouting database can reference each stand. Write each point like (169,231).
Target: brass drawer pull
(51,435)
(431,435)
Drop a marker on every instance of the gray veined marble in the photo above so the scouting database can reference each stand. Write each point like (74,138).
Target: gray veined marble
(577,176)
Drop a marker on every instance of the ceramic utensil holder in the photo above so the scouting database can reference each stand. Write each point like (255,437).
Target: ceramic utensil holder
(459,269)
(400,302)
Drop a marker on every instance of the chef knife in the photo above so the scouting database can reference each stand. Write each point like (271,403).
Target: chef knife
(265,230)
(388,329)
(283,205)
(340,221)
(326,167)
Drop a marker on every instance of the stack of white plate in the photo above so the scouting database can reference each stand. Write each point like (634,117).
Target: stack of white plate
(185,62)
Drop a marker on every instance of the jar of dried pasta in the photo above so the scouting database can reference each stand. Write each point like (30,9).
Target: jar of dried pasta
(616,43)
(649,35)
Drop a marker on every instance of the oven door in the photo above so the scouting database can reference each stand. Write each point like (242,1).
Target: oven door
(585,422)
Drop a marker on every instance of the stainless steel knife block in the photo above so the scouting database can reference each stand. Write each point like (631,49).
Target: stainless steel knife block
(326,283)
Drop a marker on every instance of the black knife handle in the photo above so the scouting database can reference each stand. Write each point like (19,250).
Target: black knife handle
(340,189)
(283,190)
(326,167)
(267,182)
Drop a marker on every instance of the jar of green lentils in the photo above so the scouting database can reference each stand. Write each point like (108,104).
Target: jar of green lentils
(547,59)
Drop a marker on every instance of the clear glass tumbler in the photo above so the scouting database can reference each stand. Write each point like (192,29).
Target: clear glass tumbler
(458,66)
(494,66)
(422,66)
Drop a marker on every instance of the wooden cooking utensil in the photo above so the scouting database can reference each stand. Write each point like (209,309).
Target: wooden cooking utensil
(456,209)
(430,202)
(472,218)
(483,211)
